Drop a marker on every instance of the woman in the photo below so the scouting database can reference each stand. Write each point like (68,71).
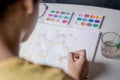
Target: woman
(17,21)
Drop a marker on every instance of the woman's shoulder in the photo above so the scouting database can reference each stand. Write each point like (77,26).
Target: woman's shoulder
(23,69)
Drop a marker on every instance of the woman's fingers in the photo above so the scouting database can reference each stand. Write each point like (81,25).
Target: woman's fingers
(77,56)
(82,56)
(84,63)
(70,57)
(86,70)
(77,64)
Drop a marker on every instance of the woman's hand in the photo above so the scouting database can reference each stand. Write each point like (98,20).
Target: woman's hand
(78,65)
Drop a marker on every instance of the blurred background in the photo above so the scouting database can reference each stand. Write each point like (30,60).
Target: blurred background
(114,4)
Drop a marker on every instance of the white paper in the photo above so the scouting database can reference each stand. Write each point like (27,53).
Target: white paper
(50,45)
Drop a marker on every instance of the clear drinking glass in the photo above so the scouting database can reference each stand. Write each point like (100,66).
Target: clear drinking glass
(110,44)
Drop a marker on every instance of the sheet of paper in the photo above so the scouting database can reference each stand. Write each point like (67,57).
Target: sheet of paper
(50,45)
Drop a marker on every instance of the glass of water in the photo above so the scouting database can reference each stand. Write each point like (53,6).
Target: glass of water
(110,44)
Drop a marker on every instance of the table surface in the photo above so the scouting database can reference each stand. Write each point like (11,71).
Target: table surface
(103,68)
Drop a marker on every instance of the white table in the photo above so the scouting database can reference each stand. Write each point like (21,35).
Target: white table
(103,68)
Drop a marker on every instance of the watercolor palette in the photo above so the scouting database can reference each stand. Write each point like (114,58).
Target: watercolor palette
(88,20)
(58,17)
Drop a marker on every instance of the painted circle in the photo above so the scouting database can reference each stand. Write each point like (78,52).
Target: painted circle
(64,21)
(89,24)
(66,17)
(97,21)
(48,19)
(96,25)
(87,15)
(91,20)
(79,19)
(58,12)
(99,17)
(92,16)
(68,13)
(62,12)
(83,24)
(85,19)
(53,11)
(50,15)
(61,16)
(55,16)
(81,15)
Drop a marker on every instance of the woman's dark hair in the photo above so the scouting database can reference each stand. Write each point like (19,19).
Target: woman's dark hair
(5,3)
